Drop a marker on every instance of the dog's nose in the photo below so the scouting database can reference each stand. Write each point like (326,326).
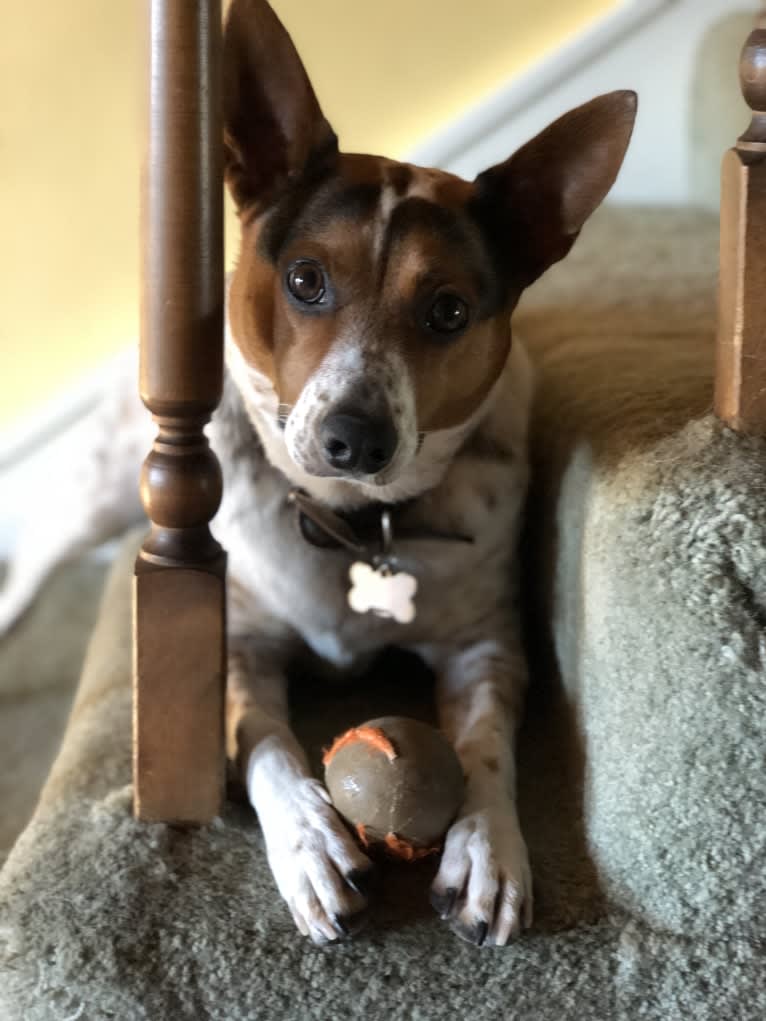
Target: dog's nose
(356,442)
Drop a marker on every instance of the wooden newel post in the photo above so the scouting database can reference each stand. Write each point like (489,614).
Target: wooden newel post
(740,390)
(179,576)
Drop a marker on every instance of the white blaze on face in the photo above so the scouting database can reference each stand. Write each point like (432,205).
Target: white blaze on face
(359,375)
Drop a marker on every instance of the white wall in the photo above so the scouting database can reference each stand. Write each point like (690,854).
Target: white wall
(682,61)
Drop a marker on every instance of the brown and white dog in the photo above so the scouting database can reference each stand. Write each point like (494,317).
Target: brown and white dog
(370,367)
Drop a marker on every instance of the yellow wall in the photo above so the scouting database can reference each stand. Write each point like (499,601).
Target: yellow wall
(70,76)
(389,73)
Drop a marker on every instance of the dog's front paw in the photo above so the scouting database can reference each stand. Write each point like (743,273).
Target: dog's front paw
(319,869)
(484,884)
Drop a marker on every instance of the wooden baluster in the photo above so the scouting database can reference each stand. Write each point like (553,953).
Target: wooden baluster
(179,575)
(740,387)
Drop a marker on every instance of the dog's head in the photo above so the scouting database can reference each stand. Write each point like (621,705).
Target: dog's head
(375,297)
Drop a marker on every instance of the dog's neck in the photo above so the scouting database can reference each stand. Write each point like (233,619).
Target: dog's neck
(423,474)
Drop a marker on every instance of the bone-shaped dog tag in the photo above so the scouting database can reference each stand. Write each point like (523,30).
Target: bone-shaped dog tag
(382,591)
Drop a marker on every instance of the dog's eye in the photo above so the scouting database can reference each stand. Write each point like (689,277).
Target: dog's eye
(306,282)
(448,314)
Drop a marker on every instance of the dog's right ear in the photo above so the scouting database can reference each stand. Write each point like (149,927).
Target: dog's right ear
(273,126)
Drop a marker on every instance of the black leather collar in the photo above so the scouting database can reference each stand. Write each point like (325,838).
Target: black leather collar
(359,531)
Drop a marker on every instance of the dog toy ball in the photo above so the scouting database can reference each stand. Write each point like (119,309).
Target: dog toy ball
(398,782)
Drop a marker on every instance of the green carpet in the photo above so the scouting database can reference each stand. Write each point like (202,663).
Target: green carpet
(40,663)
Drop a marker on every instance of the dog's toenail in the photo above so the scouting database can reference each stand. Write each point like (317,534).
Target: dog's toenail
(350,925)
(443,903)
(475,934)
(361,880)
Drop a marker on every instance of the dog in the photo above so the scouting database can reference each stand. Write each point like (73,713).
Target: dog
(375,412)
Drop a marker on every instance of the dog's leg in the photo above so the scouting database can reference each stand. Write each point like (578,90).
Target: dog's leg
(319,869)
(484,885)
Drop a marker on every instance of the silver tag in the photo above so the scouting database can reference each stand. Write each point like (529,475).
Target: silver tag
(383,591)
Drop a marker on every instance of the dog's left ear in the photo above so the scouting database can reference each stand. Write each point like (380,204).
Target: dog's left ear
(535,203)
(274,128)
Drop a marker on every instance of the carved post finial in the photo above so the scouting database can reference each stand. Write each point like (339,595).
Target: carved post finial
(740,381)
(752,80)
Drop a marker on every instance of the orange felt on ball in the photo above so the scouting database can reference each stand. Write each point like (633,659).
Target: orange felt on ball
(373,736)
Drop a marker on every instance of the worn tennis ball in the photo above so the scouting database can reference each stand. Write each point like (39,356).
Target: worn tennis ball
(398,782)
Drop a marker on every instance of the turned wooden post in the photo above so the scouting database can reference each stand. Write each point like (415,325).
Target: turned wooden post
(740,389)
(179,576)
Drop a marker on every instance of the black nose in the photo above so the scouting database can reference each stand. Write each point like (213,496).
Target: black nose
(355,442)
